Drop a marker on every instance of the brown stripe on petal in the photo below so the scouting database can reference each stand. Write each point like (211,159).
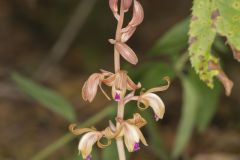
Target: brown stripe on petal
(127,53)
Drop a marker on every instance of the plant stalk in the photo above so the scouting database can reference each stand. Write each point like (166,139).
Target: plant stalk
(120,112)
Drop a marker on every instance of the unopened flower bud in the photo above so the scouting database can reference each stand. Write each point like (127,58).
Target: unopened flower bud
(126,4)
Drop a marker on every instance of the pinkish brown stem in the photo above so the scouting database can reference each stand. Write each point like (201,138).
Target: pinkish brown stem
(120,113)
(118,38)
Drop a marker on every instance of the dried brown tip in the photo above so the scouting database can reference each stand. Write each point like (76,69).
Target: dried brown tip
(236,53)
(223,78)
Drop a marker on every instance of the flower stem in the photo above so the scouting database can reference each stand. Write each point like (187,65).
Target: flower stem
(118,38)
(120,113)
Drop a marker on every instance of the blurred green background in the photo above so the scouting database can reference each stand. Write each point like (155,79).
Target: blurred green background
(48,48)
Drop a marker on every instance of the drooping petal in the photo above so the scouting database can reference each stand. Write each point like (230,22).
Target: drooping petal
(161,88)
(155,103)
(90,87)
(131,85)
(127,53)
(130,136)
(86,143)
(138,14)
(126,5)
(114,7)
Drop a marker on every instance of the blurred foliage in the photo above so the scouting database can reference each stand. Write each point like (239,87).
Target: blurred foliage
(49,98)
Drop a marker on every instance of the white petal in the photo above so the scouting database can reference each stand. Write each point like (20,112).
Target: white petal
(86,143)
(131,136)
(155,103)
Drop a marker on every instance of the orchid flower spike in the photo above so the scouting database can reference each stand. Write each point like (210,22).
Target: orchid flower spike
(120,83)
(150,99)
(132,134)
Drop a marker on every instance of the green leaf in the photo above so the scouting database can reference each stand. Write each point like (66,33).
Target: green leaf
(45,96)
(173,41)
(201,39)
(189,113)
(208,19)
(228,22)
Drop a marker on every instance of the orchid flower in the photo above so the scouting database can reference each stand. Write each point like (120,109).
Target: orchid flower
(91,137)
(120,83)
(90,87)
(150,99)
(132,134)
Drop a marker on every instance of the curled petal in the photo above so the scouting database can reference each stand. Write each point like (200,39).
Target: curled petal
(87,141)
(162,88)
(114,7)
(101,145)
(79,131)
(137,120)
(90,87)
(127,53)
(126,4)
(155,102)
(138,14)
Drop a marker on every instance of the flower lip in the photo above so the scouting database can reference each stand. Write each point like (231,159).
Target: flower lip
(89,157)
(136,147)
(117,97)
